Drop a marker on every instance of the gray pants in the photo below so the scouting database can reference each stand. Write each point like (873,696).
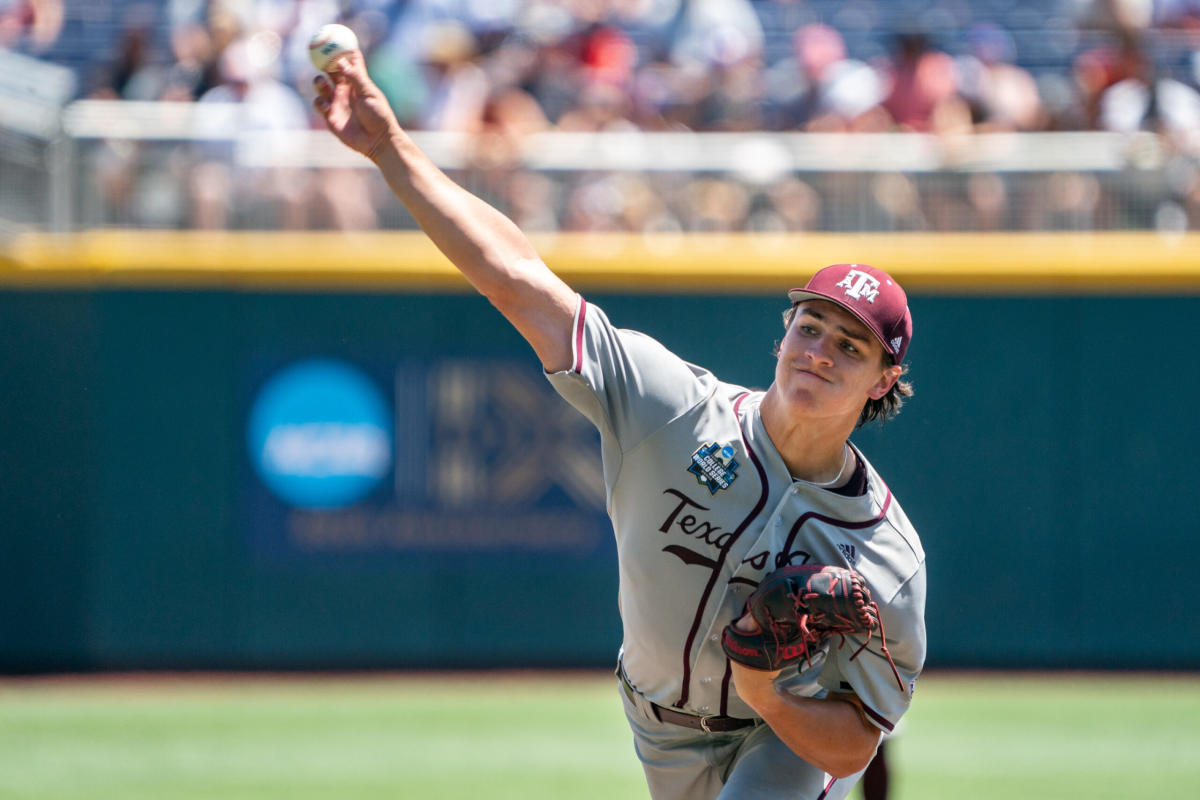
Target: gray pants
(748,764)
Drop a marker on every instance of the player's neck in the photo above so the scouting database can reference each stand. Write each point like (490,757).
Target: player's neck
(812,449)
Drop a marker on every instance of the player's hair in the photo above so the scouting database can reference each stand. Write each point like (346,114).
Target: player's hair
(885,407)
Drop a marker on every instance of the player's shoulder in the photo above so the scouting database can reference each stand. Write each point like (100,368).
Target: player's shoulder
(895,555)
(901,527)
(644,345)
(744,400)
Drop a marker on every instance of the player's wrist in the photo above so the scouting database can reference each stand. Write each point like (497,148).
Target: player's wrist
(385,142)
(755,686)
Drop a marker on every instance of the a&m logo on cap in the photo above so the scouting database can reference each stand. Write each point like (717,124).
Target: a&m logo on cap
(859,285)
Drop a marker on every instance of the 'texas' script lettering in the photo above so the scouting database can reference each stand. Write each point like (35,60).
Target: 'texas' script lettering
(691,525)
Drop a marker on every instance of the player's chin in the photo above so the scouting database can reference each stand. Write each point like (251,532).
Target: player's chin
(802,384)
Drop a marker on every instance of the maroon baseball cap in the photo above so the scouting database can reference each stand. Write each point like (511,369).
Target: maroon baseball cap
(869,294)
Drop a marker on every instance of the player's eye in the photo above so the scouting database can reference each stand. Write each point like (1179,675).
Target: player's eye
(808,330)
(849,346)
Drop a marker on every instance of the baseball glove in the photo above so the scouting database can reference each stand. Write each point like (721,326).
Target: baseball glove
(797,610)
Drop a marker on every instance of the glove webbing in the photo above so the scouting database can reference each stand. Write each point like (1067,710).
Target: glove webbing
(798,638)
(869,618)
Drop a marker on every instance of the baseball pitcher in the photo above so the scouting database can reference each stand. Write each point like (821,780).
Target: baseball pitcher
(772,590)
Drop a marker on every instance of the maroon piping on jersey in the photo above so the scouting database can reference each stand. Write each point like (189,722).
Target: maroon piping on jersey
(578,337)
(882,720)
(716,572)
(841,523)
(825,792)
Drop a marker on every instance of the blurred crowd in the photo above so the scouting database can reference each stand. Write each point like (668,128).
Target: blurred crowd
(502,69)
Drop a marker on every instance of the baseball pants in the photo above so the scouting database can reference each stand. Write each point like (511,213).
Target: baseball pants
(747,764)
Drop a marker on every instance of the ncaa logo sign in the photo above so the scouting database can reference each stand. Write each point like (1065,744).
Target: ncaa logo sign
(859,286)
(320,435)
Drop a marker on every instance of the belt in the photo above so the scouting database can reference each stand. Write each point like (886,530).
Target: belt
(709,724)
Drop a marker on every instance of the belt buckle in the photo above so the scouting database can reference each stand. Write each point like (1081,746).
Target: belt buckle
(704,723)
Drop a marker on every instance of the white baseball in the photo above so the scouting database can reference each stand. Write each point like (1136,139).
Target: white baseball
(330,42)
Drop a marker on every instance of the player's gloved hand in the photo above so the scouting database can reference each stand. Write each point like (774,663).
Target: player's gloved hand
(797,610)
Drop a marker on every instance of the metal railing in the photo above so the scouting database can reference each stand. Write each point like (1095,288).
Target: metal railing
(95,164)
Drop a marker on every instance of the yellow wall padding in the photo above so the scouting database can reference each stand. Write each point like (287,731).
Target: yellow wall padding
(1040,263)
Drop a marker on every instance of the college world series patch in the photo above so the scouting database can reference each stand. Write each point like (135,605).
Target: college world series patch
(714,466)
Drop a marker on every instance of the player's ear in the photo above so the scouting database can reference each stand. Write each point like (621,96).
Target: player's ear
(886,381)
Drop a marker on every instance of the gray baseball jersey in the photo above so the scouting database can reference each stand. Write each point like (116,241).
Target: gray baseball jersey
(703,507)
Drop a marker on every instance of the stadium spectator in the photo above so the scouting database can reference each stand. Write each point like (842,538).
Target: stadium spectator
(1105,65)
(603,75)
(1002,95)
(715,205)
(458,86)
(990,202)
(133,75)
(924,82)
(820,89)
(249,100)
(30,25)
(789,205)
(717,32)
(1151,100)
(734,101)
(197,65)
(898,197)
(717,52)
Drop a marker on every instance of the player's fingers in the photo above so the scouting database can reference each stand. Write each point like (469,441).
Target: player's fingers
(329,96)
(323,86)
(323,101)
(321,104)
(349,67)
(747,624)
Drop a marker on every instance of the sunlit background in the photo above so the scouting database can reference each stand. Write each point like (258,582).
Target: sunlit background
(192,114)
(254,423)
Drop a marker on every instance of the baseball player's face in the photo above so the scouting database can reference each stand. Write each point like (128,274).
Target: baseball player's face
(830,363)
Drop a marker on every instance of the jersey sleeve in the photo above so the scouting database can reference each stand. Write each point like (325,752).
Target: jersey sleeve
(869,675)
(626,383)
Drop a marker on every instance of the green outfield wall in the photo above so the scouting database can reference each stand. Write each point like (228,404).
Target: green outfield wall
(232,454)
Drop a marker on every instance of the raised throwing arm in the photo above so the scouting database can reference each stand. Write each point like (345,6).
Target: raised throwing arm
(487,247)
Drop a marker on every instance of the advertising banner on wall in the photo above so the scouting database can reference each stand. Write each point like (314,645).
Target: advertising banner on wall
(456,458)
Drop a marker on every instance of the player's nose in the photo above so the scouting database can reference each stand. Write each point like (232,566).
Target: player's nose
(819,350)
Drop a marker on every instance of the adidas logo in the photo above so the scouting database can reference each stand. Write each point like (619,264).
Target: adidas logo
(848,552)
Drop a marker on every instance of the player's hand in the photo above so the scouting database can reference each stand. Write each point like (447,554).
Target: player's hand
(353,107)
(764,678)
(755,686)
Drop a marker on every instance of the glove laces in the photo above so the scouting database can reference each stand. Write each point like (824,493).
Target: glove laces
(841,625)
